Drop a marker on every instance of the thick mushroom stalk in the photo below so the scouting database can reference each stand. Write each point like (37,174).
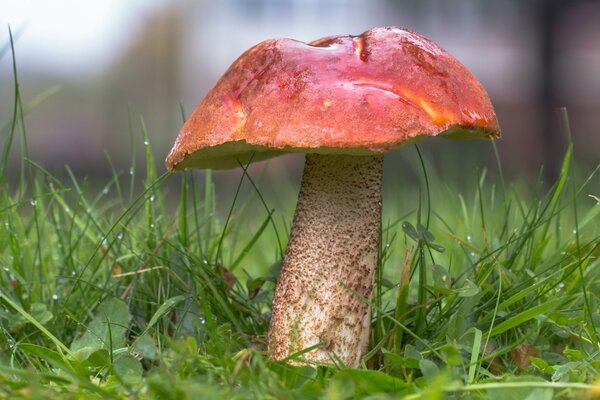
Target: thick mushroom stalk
(330,260)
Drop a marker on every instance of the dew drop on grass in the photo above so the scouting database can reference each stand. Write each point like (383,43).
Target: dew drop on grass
(105,190)
(146,143)
(152,197)
(67,210)
(473,254)
(469,238)
(33,202)
(120,235)
(131,171)
(202,320)
(5,269)
(54,297)
(574,231)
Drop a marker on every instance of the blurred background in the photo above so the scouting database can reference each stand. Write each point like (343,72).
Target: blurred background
(83,65)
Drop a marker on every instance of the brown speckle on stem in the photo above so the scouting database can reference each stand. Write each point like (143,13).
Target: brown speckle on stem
(331,256)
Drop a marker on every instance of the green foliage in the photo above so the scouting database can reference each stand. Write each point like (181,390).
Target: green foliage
(106,330)
(160,294)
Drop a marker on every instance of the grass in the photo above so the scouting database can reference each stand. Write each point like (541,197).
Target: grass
(487,292)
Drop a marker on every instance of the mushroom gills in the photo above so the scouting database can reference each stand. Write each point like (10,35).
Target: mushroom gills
(330,260)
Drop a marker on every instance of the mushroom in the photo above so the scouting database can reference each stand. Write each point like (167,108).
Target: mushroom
(344,101)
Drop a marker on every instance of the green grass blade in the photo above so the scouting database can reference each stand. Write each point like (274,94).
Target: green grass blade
(209,208)
(251,243)
(527,315)
(60,345)
(162,311)
(474,365)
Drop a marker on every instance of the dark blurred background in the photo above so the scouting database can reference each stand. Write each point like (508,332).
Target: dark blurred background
(97,59)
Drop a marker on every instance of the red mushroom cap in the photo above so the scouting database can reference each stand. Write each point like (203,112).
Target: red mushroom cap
(360,95)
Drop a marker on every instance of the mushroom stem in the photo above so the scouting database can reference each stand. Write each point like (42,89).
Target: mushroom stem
(331,256)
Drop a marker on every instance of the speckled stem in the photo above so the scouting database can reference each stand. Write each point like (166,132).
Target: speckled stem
(332,252)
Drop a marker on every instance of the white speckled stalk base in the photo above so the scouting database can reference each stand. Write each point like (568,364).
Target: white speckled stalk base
(333,246)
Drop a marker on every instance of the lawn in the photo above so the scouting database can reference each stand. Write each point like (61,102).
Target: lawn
(159,286)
